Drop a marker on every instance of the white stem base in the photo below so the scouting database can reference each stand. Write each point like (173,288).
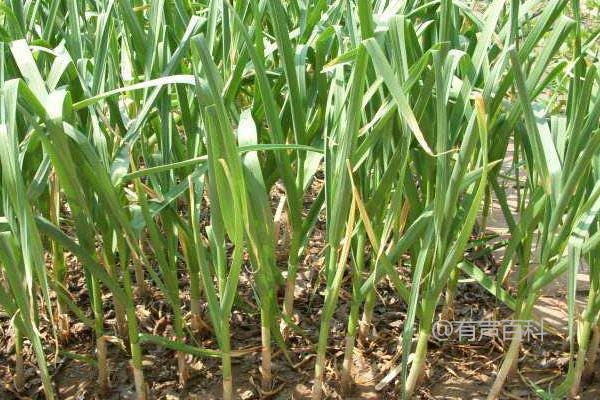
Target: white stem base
(140,384)
(265,370)
(592,354)
(19,377)
(508,365)
(317,391)
(418,365)
(182,367)
(347,365)
(103,379)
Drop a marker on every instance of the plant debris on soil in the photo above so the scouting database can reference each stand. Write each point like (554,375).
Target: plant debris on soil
(455,369)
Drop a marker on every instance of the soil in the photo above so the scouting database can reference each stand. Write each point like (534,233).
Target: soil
(455,369)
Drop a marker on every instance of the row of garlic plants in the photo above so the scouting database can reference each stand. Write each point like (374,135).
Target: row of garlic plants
(145,140)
